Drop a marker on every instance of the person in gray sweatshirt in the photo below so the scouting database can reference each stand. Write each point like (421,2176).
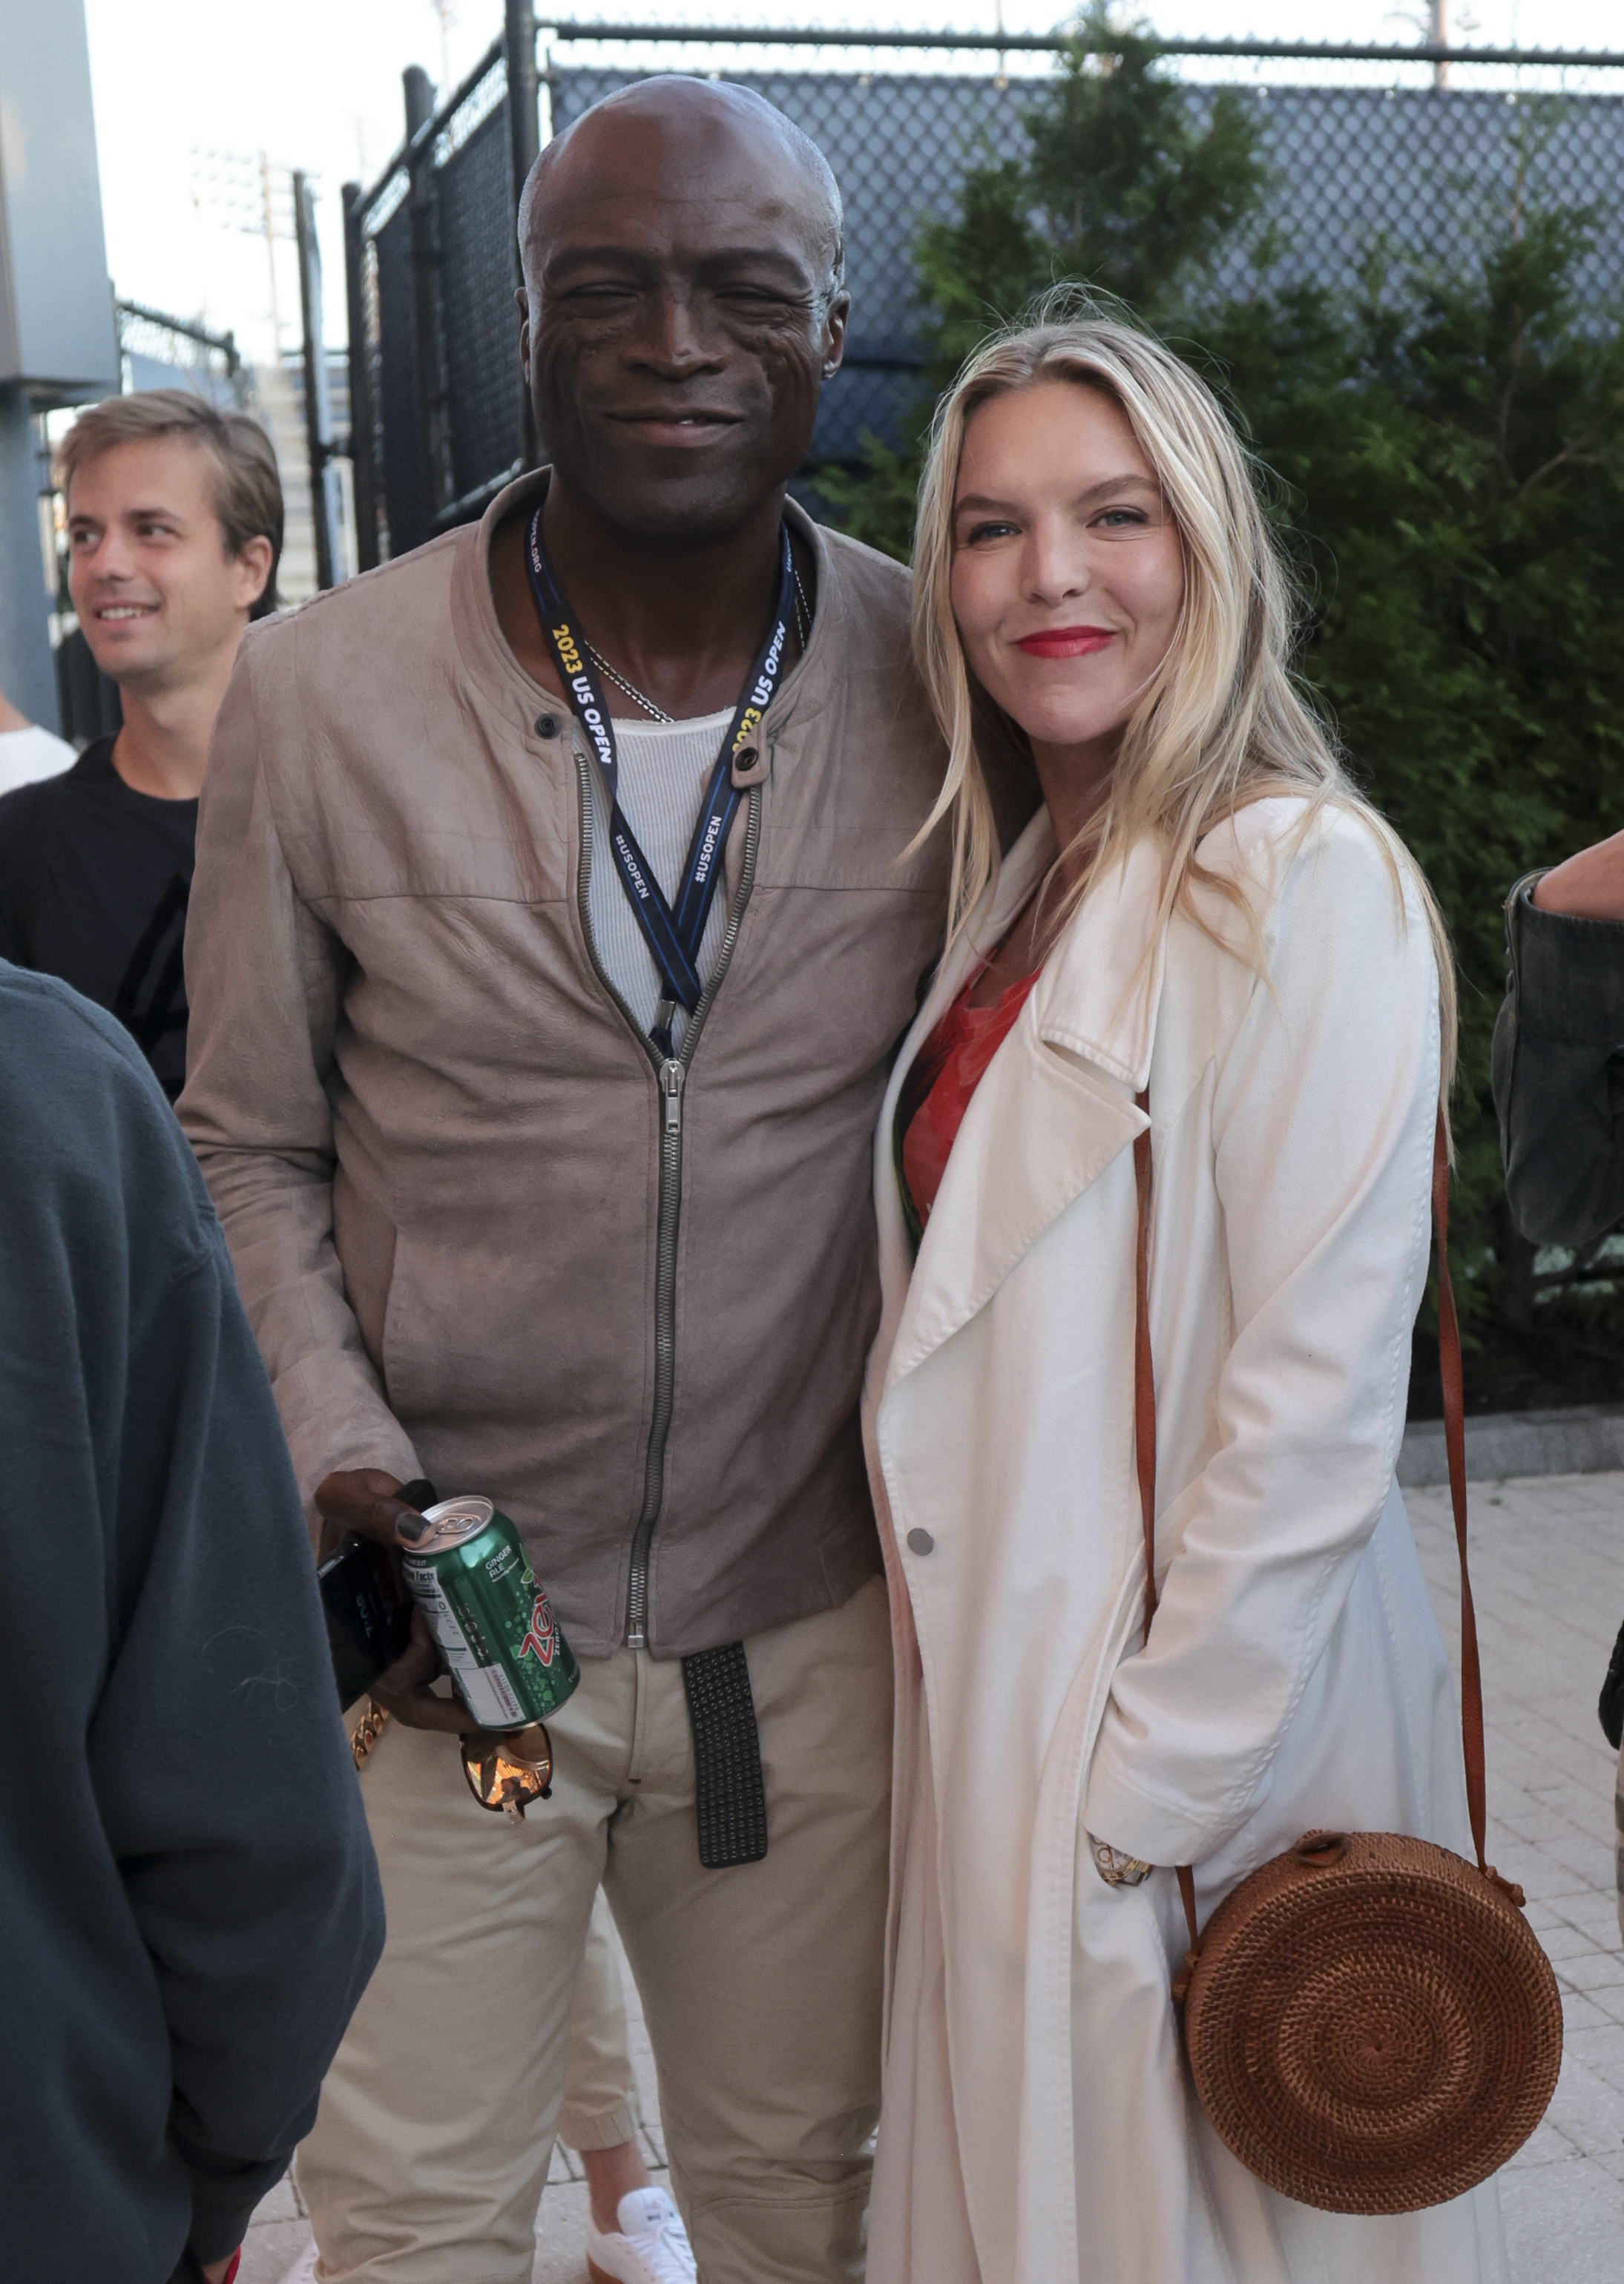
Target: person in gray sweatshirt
(189,1896)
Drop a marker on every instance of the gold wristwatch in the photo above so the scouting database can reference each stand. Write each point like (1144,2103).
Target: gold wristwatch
(1116,1869)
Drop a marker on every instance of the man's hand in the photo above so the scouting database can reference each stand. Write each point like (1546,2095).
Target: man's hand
(404,1691)
(1588,887)
(363,1499)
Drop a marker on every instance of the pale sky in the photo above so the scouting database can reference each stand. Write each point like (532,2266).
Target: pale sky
(316,84)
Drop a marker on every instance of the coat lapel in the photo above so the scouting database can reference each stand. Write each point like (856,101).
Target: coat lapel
(1101,985)
(1055,1107)
(1022,869)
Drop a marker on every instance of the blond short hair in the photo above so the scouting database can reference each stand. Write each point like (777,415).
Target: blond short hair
(246,490)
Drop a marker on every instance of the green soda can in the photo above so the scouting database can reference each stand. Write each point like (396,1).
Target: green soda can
(467,1574)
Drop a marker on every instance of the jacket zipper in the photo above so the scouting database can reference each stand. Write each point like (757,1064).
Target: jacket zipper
(670,1074)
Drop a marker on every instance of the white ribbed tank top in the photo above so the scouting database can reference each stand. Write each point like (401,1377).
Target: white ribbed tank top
(664,768)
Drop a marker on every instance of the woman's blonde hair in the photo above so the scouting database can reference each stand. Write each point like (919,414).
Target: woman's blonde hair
(1221,722)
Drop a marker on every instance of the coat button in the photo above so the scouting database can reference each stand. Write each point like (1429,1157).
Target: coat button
(919,1541)
(547,725)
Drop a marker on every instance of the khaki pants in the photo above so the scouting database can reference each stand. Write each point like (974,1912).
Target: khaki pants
(600,2108)
(760,1984)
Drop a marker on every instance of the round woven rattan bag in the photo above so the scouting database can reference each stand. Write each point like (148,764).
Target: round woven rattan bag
(1371,2025)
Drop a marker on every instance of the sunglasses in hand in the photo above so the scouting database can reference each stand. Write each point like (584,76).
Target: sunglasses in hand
(507,1771)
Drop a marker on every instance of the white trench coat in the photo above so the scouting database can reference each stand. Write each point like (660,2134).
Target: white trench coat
(1037,2126)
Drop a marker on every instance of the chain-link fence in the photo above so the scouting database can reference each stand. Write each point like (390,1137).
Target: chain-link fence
(439,418)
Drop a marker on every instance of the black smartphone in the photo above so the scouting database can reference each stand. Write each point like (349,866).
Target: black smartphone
(369,1618)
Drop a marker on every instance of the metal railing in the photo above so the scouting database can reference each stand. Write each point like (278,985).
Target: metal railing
(176,341)
(1426,52)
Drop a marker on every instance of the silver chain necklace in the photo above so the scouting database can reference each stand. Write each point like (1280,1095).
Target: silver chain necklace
(802,628)
(631,689)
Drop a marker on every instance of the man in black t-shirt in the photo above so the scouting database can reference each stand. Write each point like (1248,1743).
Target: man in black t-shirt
(174,527)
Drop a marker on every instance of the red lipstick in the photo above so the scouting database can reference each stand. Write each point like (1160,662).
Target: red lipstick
(1066,642)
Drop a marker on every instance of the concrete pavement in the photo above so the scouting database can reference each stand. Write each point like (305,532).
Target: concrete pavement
(1548,1581)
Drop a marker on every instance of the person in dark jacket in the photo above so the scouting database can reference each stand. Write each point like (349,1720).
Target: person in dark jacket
(1558,1066)
(1558,1076)
(189,1900)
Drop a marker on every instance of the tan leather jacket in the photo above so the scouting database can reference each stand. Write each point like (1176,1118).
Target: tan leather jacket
(480,1233)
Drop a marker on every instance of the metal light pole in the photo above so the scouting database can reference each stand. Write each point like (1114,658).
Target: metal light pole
(318,410)
(524,141)
(434,441)
(362,431)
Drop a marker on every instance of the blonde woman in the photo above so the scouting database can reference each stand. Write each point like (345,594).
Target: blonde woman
(1205,910)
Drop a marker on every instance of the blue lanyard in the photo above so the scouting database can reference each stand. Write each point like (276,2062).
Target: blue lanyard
(673,933)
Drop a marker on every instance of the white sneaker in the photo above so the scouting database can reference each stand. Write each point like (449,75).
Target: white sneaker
(652,2246)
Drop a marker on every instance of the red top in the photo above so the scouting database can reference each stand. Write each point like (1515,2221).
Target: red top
(937,1091)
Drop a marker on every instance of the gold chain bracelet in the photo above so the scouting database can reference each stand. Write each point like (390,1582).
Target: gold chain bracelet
(367,1732)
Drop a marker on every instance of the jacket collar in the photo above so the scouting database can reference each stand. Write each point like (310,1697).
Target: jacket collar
(484,646)
(1055,1108)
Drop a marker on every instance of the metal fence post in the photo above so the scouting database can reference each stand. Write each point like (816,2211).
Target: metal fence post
(426,298)
(318,414)
(363,430)
(525,142)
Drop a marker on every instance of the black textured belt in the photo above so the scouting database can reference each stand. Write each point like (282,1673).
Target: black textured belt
(730,1799)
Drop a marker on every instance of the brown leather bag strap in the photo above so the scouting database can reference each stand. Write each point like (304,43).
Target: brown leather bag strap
(1455,1445)
(1144,1375)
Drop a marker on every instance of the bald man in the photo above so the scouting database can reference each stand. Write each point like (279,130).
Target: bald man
(555,917)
